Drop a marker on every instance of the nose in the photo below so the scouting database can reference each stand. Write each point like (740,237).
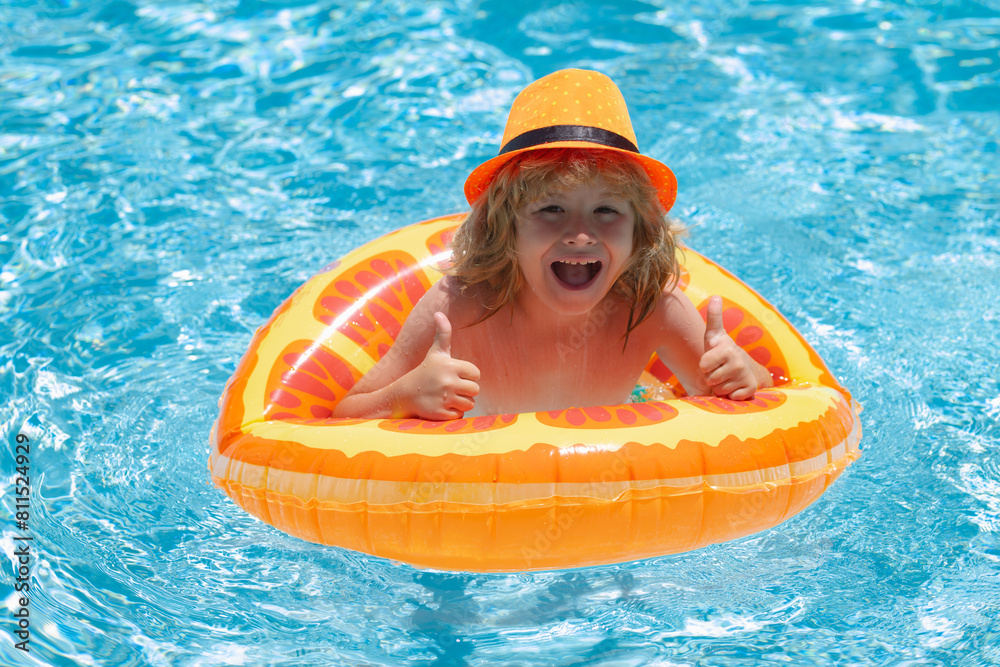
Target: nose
(578,232)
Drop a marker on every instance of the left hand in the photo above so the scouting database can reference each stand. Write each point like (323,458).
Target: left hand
(727,368)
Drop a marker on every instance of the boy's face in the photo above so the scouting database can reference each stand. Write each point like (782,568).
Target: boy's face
(572,245)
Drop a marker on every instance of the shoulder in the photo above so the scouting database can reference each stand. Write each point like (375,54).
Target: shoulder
(674,318)
(419,328)
(676,308)
(463,304)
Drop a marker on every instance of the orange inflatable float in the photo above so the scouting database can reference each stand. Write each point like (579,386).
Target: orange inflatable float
(512,492)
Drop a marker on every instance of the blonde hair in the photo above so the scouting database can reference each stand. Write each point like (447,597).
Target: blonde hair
(484,247)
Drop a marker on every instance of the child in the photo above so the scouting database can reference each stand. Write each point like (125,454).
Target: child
(563,281)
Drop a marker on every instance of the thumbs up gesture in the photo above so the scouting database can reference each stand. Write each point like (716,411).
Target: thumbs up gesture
(727,368)
(442,387)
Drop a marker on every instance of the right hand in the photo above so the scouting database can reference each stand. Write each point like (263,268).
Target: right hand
(442,387)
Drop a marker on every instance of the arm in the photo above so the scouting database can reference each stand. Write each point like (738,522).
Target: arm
(704,357)
(418,376)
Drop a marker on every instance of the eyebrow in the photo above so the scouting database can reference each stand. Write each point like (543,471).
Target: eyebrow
(611,195)
(602,194)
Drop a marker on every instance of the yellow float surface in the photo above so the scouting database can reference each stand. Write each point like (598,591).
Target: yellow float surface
(514,492)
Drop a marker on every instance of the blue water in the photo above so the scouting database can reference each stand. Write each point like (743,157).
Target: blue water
(171,171)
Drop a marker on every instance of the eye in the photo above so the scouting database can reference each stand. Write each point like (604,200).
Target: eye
(606,210)
(550,208)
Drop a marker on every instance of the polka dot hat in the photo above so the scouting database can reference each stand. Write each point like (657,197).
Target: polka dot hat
(571,108)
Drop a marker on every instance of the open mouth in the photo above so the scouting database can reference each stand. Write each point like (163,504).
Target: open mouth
(577,274)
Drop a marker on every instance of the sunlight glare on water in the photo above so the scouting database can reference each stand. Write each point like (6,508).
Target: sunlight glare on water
(170,172)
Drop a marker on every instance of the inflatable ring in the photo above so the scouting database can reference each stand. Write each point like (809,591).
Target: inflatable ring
(513,492)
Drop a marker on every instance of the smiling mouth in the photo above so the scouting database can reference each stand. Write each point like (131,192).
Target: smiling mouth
(577,274)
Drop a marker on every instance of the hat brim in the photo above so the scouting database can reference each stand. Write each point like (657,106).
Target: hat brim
(662,177)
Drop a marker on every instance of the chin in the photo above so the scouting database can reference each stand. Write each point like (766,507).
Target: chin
(578,304)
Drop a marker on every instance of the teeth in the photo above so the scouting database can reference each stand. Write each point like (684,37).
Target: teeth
(579,261)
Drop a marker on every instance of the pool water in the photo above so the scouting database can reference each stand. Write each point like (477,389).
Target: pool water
(170,172)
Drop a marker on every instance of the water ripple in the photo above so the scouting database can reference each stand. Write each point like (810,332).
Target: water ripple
(169,172)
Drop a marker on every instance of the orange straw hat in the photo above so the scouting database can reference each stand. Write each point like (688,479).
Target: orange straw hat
(571,108)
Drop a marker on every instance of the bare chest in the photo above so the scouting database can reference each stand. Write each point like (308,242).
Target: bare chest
(527,371)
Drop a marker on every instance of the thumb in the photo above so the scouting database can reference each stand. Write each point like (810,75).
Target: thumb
(442,335)
(713,322)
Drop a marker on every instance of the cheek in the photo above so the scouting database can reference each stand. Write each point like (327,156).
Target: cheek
(531,239)
(521,257)
(626,237)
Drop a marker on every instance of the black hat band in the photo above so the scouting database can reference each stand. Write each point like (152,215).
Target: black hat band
(554,133)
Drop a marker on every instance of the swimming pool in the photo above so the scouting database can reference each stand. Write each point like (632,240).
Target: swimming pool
(170,172)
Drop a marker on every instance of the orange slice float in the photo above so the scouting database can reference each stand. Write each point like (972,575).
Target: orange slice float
(547,490)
